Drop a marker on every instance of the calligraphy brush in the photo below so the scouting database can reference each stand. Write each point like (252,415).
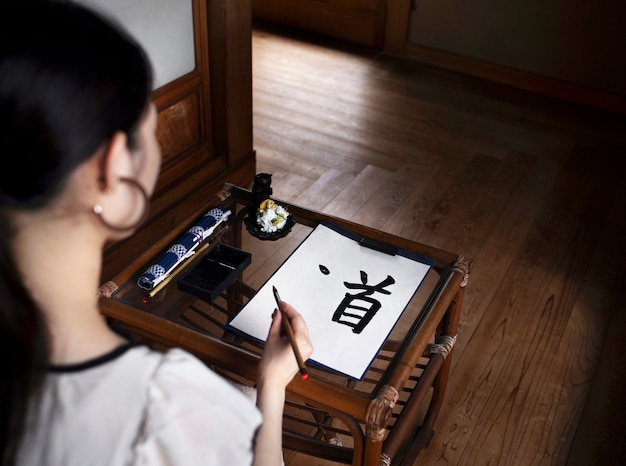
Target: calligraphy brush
(290,336)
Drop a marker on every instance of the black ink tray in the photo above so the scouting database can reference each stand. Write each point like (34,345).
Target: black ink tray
(217,270)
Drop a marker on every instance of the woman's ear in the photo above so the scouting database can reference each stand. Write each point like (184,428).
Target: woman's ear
(115,161)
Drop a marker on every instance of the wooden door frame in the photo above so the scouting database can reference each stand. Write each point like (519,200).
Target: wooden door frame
(205,128)
(396,44)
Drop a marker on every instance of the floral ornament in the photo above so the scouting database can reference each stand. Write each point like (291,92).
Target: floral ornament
(271,217)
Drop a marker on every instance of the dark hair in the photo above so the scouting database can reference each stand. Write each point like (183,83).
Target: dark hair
(69,80)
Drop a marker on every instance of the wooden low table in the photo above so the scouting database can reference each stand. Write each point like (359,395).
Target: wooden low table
(388,415)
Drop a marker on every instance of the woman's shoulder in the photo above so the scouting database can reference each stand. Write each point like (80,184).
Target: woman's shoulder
(179,370)
(187,400)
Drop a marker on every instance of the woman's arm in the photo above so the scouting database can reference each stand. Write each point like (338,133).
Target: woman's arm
(276,369)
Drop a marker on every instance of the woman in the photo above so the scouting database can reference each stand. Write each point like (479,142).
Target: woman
(80,158)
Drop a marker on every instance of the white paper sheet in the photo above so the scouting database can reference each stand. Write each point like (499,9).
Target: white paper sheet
(331,274)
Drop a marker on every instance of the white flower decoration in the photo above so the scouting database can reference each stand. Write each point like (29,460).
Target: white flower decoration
(271,217)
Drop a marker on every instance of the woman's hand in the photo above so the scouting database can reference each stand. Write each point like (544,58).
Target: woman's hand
(277,367)
(278,363)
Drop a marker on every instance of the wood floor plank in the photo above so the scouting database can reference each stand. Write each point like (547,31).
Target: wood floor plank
(325,189)
(391,194)
(378,116)
(385,141)
(341,95)
(358,192)
(530,187)
(278,160)
(394,135)
(500,248)
(338,140)
(407,220)
(601,432)
(303,145)
(478,204)
(577,353)
(508,368)
(440,221)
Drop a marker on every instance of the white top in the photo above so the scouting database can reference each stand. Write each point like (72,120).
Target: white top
(136,406)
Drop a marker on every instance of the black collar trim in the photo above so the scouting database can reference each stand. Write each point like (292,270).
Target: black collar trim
(81,366)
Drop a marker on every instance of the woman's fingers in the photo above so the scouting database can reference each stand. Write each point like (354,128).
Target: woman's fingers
(300,329)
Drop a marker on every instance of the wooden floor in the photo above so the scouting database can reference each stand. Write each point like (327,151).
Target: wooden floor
(533,189)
